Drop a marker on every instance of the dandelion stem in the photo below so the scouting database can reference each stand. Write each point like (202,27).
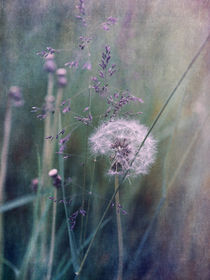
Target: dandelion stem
(3,170)
(52,243)
(119,230)
(83,234)
(90,193)
(152,126)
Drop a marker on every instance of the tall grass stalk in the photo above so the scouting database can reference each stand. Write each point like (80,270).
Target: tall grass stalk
(149,131)
(46,161)
(54,209)
(72,244)
(52,242)
(36,214)
(3,171)
(84,225)
(32,245)
(83,229)
(119,231)
(55,124)
(89,197)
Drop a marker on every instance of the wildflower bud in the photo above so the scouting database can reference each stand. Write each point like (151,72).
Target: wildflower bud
(34,184)
(62,80)
(49,65)
(16,96)
(50,103)
(61,72)
(50,99)
(53,173)
(56,179)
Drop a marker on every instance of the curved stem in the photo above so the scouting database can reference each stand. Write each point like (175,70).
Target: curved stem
(149,131)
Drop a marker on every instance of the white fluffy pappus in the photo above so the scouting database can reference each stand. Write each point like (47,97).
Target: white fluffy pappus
(120,140)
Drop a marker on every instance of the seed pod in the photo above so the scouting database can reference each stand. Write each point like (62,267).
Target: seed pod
(61,74)
(49,65)
(16,96)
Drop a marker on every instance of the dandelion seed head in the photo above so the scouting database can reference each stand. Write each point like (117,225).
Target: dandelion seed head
(120,140)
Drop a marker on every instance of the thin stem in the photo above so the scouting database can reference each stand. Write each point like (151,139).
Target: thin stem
(83,233)
(46,163)
(61,166)
(55,124)
(152,126)
(96,231)
(52,243)
(32,244)
(90,193)
(119,230)
(3,171)
(47,131)
(170,97)
(54,210)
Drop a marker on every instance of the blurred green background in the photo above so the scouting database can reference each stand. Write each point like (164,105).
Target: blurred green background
(152,44)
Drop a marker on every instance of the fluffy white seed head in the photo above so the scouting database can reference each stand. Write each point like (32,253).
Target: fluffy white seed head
(120,140)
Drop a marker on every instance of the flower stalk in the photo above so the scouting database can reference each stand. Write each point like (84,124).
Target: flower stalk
(14,99)
(119,230)
(3,171)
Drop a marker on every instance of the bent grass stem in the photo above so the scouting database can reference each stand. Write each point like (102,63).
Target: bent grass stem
(149,131)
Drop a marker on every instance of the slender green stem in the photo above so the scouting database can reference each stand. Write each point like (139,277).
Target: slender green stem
(90,193)
(46,163)
(61,166)
(119,231)
(152,126)
(52,243)
(55,124)
(3,170)
(83,232)
(170,96)
(32,245)
(96,231)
